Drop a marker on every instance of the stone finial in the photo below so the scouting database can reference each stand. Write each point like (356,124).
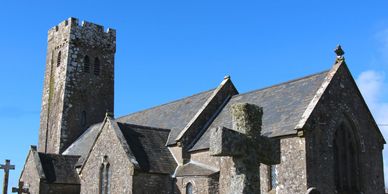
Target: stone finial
(247,118)
(33,147)
(109,114)
(227,77)
(339,52)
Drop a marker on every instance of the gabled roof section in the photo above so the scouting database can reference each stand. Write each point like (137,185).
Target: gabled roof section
(84,143)
(109,122)
(195,169)
(209,110)
(174,115)
(59,168)
(33,155)
(283,104)
(148,147)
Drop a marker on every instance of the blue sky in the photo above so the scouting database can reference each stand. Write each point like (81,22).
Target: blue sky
(171,49)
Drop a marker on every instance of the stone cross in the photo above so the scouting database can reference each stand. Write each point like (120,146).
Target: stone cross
(246,146)
(6,167)
(20,189)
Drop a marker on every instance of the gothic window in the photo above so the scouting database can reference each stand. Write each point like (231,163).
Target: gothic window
(96,66)
(189,188)
(272,177)
(105,174)
(86,64)
(59,58)
(346,161)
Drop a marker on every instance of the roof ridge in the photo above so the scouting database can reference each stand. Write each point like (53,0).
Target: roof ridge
(284,83)
(164,104)
(145,127)
(61,155)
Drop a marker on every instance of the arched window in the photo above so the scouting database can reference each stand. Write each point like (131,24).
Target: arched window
(189,188)
(272,177)
(346,160)
(59,58)
(96,66)
(104,179)
(86,64)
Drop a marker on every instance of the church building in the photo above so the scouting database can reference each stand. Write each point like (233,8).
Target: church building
(314,134)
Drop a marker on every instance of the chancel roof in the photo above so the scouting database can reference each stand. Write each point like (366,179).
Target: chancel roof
(283,106)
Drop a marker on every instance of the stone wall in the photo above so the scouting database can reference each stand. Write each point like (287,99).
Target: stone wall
(121,168)
(152,183)
(292,168)
(291,172)
(30,175)
(341,103)
(200,184)
(59,188)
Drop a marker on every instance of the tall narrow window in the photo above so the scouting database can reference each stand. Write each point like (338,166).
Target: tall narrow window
(189,188)
(96,66)
(272,177)
(105,175)
(346,161)
(83,118)
(86,64)
(59,58)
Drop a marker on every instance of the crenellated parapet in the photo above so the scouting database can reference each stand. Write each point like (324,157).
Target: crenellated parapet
(85,33)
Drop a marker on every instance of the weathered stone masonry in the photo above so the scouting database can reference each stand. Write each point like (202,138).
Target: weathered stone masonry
(75,96)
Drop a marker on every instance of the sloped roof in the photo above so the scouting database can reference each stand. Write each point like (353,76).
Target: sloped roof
(84,143)
(174,115)
(59,168)
(194,169)
(148,145)
(283,107)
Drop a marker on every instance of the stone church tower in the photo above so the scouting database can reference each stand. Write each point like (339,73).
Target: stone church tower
(78,86)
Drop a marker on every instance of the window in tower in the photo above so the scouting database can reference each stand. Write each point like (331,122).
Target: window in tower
(59,58)
(86,64)
(83,118)
(96,66)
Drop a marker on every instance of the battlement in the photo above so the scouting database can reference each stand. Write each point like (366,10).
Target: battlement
(85,25)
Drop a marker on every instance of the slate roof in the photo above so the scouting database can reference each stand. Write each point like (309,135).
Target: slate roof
(148,145)
(59,169)
(174,115)
(84,143)
(283,106)
(192,169)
